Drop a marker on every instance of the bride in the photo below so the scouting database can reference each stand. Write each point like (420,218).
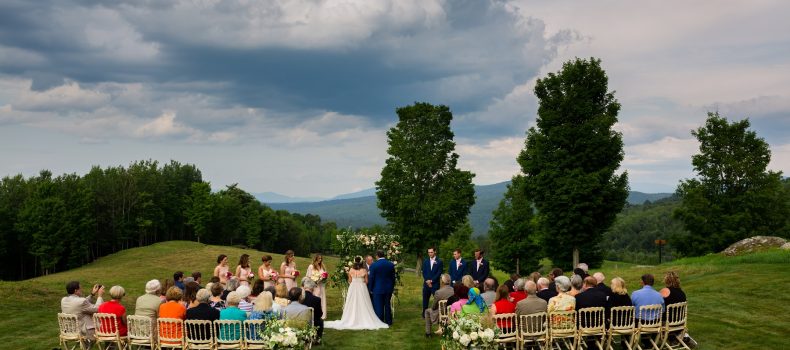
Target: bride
(358,310)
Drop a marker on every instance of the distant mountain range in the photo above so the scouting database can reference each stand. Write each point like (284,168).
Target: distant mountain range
(359,209)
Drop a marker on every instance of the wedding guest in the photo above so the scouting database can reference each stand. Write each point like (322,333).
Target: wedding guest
(368,261)
(468,281)
(474,304)
(532,303)
(317,269)
(479,268)
(544,292)
(288,271)
(262,309)
(519,294)
(444,292)
(502,305)
(563,301)
(599,276)
(272,291)
(163,291)
(257,288)
(244,301)
(461,293)
(583,268)
(266,273)
(511,282)
(84,308)
(577,282)
(281,296)
(244,271)
(221,270)
(535,276)
(590,295)
(148,303)
(457,268)
(190,294)
(172,309)
(310,300)
(197,276)
(216,296)
(230,286)
(203,311)
(115,307)
(231,312)
(555,272)
(431,270)
(178,279)
(646,296)
(672,293)
(187,279)
(489,294)
(296,310)
(619,295)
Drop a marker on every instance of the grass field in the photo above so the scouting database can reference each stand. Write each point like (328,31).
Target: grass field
(735,303)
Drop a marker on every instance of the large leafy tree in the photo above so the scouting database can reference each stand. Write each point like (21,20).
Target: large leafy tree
(570,161)
(513,231)
(422,193)
(733,196)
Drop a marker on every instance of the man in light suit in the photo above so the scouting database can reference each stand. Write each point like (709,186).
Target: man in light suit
(431,270)
(479,268)
(295,309)
(381,283)
(456,268)
(84,308)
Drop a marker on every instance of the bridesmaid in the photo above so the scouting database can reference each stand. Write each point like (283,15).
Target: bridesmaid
(221,270)
(266,272)
(317,268)
(288,270)
(243,270)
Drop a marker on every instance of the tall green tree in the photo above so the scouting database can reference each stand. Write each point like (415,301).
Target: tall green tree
(422,193)
(733,196)
(570,161)
(461,239)
(513,231)
(199,206)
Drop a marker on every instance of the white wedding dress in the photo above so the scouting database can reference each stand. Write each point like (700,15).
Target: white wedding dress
(358,311)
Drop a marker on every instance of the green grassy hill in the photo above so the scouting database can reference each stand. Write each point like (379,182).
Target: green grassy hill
(735,303)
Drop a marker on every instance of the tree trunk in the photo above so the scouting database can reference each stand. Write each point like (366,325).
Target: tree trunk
(575,258)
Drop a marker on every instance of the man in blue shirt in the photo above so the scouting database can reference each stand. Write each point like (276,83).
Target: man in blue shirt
(647,296)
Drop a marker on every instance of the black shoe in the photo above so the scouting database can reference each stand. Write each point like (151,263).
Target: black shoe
(427,335)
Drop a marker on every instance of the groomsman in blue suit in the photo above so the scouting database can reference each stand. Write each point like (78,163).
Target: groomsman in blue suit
(431,270)
(479,268)
(457,267)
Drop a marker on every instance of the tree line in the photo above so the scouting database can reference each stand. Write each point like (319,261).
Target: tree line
(52,223)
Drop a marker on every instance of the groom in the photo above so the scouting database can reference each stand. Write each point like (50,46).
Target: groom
(381,283)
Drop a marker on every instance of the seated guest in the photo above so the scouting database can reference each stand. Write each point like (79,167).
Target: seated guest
(296,310)
(509,283)
(563,301)
(489,291)
(577,282)
(231,312)
(502,305)
(584,270)
(216,296)
(555,272)
(203,311)
(262,309)
(461,293)
(672,293)
(468,281)
(444,292)
(590,297)
(601,286)
(197,276)
(281,296)
(314,302)
(244,294)
(148,303)
(190,294)
(619,295)
(257,288)
(230,286)
(544,292)
(474,303)
(534,277)
(163,290)
(533,303)
(114,307)
(519,294)
(646,296)
(178,279)
(214,279)
(172,309)
(84,308)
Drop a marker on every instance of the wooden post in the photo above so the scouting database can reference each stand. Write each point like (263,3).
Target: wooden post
(518,263)
(575,258)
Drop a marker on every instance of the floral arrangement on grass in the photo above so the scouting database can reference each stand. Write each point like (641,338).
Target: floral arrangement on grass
(288,334)
(470,331)
(350,244)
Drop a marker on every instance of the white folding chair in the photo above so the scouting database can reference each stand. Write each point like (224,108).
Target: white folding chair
(70,332)
(562,329)
(508,324)
(252,338)
(533,330)
(229,334)
(592,326)
(107,333)
(675,327)
(621,324)
(141,332)
(444,312)
(199,334)
(649,326)
(171,333)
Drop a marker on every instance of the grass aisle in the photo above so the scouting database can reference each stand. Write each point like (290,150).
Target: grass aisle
(735,303)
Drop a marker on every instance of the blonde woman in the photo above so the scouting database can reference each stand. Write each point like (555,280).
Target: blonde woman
(244,271)
(280,297)
(288,271)
(619,295)
(266,273)
(316,272)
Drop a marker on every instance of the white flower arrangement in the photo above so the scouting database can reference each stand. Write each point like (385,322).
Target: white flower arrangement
(478,331)
(282,334)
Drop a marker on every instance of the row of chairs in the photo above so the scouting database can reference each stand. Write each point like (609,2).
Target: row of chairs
(165,333)
(588,328)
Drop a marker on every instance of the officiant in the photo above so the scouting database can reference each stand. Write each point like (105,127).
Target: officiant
(431,271)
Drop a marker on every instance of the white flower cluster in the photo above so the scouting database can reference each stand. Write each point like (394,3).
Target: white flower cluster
(468,331)
(278,335)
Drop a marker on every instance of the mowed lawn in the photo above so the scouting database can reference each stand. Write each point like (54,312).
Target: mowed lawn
(735,303)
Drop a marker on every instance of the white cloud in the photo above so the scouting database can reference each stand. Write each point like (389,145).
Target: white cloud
(164,125)
(492,162)
(69,96)
(780,159)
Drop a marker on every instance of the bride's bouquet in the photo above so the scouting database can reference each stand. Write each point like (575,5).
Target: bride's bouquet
(288,334)
(470,331)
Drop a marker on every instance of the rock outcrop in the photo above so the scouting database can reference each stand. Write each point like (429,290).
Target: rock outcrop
(755,244)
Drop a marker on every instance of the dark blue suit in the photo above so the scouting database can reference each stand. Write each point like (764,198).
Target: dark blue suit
(479,274)
(381,283)
(457,273)
(432,274)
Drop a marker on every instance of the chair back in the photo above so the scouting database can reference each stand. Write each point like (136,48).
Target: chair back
(507,323)
(622,319)
(562,324)
(252,330)
(69,326)
(444,313)
(229,334)
(199,334)
(533,325)
(650,318)
(171,332)
(591,321)
(677,315)
(141,330)
(310,316)
(106,326)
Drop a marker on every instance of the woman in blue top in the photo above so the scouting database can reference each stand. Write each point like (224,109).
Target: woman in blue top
(231,312)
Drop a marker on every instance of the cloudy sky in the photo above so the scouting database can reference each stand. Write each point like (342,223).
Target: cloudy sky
(295,97)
